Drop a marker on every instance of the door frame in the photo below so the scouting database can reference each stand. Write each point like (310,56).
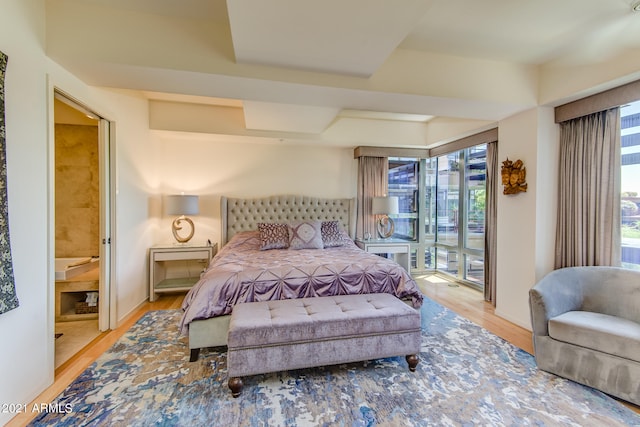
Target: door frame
(106,146)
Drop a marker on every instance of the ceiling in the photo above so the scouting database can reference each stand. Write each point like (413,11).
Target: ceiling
(295,66)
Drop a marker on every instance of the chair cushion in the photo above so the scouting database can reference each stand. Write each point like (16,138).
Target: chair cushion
(601,332)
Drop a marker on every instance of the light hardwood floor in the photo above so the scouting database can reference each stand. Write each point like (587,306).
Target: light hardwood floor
(465,301)
(470,303)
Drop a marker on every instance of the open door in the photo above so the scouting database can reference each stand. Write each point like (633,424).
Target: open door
(106,319)
(70,113)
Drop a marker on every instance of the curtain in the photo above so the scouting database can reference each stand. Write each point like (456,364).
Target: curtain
(373,181)
(491,224)
(8,297)
(588,228)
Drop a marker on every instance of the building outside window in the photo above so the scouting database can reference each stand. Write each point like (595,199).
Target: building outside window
(630,185)
(442,211)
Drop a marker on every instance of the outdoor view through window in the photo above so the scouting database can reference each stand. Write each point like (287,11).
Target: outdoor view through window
(442,203)
(630,185)
(442,211)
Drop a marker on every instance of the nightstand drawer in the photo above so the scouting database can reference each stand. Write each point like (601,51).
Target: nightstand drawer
(400,249)
(388,249)
(185,254)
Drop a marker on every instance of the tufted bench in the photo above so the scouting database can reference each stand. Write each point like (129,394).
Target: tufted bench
(274,336)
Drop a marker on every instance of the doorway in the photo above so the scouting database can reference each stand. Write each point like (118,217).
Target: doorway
(82,262)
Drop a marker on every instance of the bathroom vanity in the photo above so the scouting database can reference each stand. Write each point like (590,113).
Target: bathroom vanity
(72,293)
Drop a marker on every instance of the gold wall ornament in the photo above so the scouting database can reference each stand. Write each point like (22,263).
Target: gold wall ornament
(514,176)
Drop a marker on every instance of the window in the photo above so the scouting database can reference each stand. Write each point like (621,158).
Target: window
(630,185)
(404,175)
(442,211)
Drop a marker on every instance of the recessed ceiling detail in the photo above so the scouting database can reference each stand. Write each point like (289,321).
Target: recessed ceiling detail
(297,64)
(344,37)
(385,115)
(287,118)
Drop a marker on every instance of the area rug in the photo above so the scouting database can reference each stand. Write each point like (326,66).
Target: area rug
(466,376)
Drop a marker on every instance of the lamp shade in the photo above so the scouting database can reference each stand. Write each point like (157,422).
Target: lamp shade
(181,204)
(384,206)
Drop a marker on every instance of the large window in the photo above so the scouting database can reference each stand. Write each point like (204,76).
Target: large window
(630,185)
(442,211)
(404,176)
(475,185)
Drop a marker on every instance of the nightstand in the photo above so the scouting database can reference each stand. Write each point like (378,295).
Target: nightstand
(176,268)
(399,248)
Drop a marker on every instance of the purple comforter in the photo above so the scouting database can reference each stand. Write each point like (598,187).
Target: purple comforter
(241,272)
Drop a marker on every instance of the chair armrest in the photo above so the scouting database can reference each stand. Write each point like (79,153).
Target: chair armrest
(558,292)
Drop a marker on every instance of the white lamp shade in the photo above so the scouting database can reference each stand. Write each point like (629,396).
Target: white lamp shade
(384,206)
(181,204)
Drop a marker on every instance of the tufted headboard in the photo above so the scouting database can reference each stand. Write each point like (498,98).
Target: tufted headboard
(245,214)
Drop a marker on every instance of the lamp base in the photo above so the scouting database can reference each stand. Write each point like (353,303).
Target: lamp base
(386,227)
(175,227)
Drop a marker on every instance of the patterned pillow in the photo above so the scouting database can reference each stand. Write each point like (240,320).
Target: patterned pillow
(332,234)
(305,235)
(273,236)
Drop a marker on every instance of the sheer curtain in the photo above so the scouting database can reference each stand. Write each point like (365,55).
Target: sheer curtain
(491,223)
(372,181)
(588,229)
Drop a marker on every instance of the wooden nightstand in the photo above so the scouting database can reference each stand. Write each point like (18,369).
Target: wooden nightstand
(399,248)
(176,268)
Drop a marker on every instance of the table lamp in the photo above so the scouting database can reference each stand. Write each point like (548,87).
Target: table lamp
(385,206)
(181,204)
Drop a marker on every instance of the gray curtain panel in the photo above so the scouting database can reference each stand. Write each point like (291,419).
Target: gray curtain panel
(491,223)
(8,297)
(588,229)
(373,180)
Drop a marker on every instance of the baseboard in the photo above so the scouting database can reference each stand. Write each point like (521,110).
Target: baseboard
(512,320)
(131,313)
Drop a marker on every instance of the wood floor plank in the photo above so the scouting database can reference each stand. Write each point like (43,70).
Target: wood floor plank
(470,304)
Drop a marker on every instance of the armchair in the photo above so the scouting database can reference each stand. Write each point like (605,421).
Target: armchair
(586,327)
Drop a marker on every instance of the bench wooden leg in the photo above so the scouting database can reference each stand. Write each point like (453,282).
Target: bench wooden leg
(195,352)
(412,360)
(235,384)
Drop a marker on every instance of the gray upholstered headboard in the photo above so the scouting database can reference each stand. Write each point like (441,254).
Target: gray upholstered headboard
(245,214)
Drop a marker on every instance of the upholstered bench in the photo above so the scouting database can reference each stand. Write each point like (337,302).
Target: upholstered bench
(275,336)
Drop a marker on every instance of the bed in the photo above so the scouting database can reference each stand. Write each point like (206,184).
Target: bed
(247,269)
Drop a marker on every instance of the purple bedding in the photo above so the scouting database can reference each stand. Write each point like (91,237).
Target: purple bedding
(241,272)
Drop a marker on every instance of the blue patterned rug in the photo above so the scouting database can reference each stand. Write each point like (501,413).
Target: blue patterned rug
(466,376)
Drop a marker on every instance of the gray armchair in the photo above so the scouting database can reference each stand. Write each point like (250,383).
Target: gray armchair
(586,327)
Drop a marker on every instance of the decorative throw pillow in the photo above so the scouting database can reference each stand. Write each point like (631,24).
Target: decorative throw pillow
(305,235)
(332,234)
(273,236)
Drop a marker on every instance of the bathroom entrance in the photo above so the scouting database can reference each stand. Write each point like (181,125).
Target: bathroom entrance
(82,243)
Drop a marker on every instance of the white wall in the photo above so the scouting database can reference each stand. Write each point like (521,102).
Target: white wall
(136,176)
(27,356)
(26,367)
(213,166)
(567,79)
(526,221)
(546,190)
